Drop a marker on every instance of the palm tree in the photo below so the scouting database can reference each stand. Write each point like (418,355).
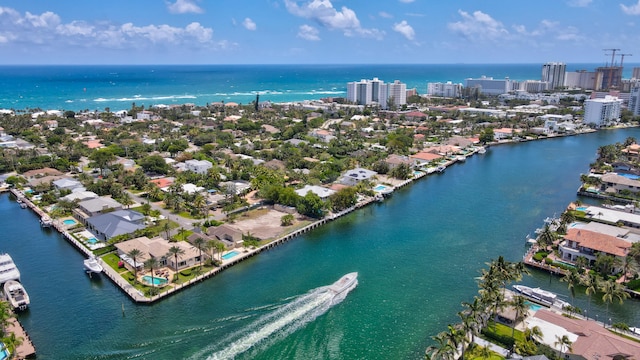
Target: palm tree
(591,282)
(200,244)
(151,264)
(476,310)
(5,315)
(564,343)
(456,338)
(612,290)
(469,327)
(134,254)
(176,252)
(581,263)
(635,251)
(485,353)
(126,200)
(567,217)
(629,266)
(167,228)
(11,341)
(442,350)
(572,279)
(546,238)
(181,233)
(519,304)
(200,203)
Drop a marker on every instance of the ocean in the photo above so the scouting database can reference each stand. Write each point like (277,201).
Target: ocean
(117,87)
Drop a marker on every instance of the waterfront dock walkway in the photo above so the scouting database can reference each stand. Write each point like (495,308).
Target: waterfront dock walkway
(26,350)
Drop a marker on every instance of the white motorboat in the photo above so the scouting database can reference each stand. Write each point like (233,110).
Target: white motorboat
(344,284)
(16,295)
(482,150)
(8,270)
(91,265)
(441,168)
(541,296)
(46,222)
(461,158)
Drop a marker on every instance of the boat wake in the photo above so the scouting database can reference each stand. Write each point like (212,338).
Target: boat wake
(275,325)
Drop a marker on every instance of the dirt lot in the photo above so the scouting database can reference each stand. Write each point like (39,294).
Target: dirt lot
(263,223)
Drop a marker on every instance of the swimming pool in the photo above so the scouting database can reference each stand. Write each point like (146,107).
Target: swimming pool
(558,262)
(532,306)
(581,208)
(92,240)
(229,255)
(156,280)
(380,188)
(630,176)
(69,222)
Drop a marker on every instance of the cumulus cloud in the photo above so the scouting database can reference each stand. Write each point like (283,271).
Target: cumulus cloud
(478,26)
(579,3)
(385,15)
(249,24)
(308,32)
(549,29)
(631,10)
(184,7)
(405,29)
(47,28)
(323,12)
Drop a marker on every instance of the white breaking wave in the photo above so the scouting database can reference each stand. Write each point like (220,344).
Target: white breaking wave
(283,321)
(138,98)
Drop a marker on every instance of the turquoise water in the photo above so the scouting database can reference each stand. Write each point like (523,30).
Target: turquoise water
(532,306)
(229,255)
(379,188)
(408,251)
(156,280)
(117,87)
(630,176)
(69,222)
(581,208)
(92,240)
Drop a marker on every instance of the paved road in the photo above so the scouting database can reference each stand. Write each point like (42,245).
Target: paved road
(182,222)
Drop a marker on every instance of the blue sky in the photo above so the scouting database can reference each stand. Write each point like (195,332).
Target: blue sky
(315,31)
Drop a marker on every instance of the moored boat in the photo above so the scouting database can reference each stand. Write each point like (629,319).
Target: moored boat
(441,168)
(16,295)
(46,222)
(8,269)
(482,150)
(91,265)
(461,158)
(540,296)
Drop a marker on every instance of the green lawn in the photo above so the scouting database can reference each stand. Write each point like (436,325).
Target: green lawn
(112,260)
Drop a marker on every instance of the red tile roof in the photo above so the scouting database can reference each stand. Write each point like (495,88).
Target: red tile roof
(599,242)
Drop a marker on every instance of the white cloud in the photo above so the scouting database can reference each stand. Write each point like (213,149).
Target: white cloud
(323,12)
(184,7)
(249,24)
(308,32)
(478,26)
(48,29)
(631,10)
(579,3)
(385,15)
(405,29)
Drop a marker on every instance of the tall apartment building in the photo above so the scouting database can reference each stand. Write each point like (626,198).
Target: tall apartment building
(582,79)
(532,86)
(634,100)
(375,91)
(602,111)
(554,74)
(611,78)
(447,89)
(636,73)
(489,86)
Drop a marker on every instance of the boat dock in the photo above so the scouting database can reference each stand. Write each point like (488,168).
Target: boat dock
(26,350)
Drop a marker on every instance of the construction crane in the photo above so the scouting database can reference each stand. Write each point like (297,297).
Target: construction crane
(622,58)
(613,56)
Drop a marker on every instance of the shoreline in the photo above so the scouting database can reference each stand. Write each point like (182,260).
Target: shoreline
(139,298)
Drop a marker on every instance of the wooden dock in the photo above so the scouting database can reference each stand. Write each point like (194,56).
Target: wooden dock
(26,350)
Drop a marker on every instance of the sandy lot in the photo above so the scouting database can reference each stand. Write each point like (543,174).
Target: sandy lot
(265,226)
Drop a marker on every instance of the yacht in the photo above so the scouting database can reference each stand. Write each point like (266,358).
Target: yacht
(91,265)
(461,158)
(441,168)
(482,150)
(16,295)
(344,284)
(46,221)
(541,296)
(8,270)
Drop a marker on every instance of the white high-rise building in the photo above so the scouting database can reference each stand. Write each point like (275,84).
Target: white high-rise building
(554,73)
(634,100)
(602,111)
(368,92)
(447,89)
(582,79)
(489,86)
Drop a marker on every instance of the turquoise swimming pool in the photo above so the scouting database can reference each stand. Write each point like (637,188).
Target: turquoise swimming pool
(380,188)
(532,306)
(581,208)
(229,255)
(92,240)
(69,222)
(156,280)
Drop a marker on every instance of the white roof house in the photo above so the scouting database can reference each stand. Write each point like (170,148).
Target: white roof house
(352,177)
(198,166)
(322,192)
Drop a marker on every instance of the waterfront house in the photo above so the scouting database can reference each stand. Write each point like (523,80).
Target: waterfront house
(158,248)
(614,183)
(586,243)
(80,196)
(632,152)
(611,216)
(589,340)
(96,206)
(67,184)
(504,133)
(423,158)
(322,192)
(230,236)
(38,173)
(395,160)
(357,175)
(106,226)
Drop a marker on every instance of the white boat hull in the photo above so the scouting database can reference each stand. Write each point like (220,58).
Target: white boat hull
(16,295)
(91,265)
(340,288)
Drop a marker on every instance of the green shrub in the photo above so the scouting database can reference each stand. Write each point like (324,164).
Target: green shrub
(185,272)
(548,261)
(104,250)
(634,284)
(504,340)
(540,255)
